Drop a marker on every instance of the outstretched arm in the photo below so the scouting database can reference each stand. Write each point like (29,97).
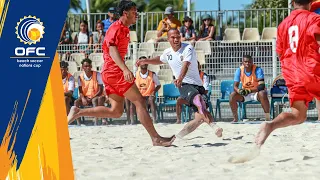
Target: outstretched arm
(154,61)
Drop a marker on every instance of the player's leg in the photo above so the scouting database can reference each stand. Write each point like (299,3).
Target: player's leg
(116,110)
(180,102)
(132,113)
(95,104)
(152,102)
(77,103)
(297,116)
(136,98)
(263,98)
(128,110)
(191,126)
(67,101)
(233,101)
(192,94)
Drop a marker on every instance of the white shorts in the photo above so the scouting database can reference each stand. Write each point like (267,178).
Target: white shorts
(251,97)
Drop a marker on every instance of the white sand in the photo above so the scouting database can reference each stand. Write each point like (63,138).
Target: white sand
(125,152)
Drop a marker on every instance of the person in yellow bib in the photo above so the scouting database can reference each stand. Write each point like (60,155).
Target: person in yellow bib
(148,84)
(253,87)
(205,82)
(90,88)
(68,84)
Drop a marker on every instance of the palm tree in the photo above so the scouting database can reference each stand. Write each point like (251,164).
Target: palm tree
(75,4)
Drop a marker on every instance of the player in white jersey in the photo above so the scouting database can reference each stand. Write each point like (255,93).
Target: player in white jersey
(182,59)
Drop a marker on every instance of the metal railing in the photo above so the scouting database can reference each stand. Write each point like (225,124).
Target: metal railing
(258,18)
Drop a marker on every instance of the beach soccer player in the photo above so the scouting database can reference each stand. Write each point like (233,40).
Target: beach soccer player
(298,43)
(182,59)
(118,79)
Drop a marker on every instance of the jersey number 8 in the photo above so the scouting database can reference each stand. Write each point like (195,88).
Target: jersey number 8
(293,38)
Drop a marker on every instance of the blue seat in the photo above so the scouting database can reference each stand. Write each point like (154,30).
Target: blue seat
(277,95)
(170,95)
(187,109)
(75,93)
(226,88)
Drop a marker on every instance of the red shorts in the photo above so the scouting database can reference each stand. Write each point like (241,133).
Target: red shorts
(305,93)
(115,83)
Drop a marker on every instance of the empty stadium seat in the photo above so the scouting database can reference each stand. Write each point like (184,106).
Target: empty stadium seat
(150,35)
(250,34)
(97,60)
(269,33)
(201,57)
(154,68)
(77,57)
(165,75)
(72,67)
(133,36)
(146,49)
(76,76)
(157,53)
(163,45)
(232,34)
(204,46)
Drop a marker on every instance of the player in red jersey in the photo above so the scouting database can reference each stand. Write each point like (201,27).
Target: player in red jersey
(298,43)
(118,79)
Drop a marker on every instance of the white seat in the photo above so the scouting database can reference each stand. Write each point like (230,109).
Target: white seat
(251,34)
(204,46)
(269,33)
(150,35)
(163,45)
(133,36)
(231,35)
(77,57)
(97,60)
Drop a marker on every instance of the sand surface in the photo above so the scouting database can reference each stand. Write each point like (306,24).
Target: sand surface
(126,152)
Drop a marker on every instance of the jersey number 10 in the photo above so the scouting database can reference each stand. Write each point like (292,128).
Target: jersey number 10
(293,38)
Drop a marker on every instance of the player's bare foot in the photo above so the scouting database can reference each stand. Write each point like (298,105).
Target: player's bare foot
(73,114)
(263,133)
(162,141)
(219,132)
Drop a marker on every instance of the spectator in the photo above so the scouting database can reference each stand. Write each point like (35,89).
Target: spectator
(112,18)
(65,40)
(167,23)
(207,30)
(68,84)
(187,31)
(98,37)
(148,84)
(205,82)
(253,87)
(90,88)
(83,39)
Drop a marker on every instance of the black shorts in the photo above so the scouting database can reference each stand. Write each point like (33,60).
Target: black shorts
(189,91)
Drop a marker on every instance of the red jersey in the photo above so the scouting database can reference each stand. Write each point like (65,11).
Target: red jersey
(117,35)
(297,46)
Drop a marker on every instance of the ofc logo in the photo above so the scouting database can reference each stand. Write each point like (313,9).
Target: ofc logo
(29,30)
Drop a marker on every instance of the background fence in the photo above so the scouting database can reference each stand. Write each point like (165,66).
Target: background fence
(219,59)
(250,18)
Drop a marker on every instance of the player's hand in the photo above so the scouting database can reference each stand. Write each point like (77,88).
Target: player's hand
(128,76)
(177,82)
(244,92)
(140,62)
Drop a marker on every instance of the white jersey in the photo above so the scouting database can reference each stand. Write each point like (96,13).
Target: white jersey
(176,59)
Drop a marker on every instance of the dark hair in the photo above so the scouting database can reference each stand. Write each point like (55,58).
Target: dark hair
(125,5)
(143,57)
(86,60)
(64,64)
(302,2)
(203,26)
(86,23)
(247,56)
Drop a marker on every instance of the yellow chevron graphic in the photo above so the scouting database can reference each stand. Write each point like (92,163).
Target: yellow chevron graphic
(3,13)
